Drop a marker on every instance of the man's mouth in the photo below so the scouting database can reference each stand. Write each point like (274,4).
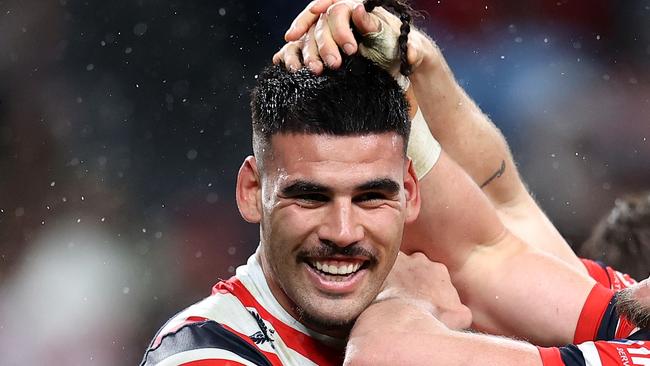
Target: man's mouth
(337,270)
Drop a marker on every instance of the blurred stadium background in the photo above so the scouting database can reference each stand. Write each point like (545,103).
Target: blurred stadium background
(123,124)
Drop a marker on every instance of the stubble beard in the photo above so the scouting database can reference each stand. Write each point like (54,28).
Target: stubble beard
(337,326)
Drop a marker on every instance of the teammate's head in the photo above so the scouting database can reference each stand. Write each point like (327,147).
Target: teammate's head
(331,187)
(622,238)
(634,304)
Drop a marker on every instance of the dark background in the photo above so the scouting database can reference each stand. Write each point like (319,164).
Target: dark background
(123,124)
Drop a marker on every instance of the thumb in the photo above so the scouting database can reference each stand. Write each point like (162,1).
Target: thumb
(364,21)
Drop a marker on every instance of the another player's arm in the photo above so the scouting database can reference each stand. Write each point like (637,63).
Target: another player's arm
(511,288)
(405,318)
(472,140)
(416,337)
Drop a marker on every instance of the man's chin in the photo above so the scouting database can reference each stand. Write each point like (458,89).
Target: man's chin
(331,315)
(336,326)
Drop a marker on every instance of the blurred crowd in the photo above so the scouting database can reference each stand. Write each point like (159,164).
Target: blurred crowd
(123,124)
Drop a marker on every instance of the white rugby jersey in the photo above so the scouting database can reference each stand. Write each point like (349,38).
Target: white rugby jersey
(241,323)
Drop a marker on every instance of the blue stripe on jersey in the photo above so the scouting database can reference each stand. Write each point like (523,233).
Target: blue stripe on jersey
(604,267)
(207,334)
(572,356)
(607,328)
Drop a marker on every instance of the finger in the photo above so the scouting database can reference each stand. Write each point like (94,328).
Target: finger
(303,21)
(310,53)
(414,49)
(327,48)
(338,19)
(289,54)
(364,21)
(412,54)
(320,6)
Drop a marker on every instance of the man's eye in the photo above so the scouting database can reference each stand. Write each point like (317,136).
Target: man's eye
(313,197)
(369,196)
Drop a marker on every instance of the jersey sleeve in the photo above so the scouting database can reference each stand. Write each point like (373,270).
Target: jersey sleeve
(600,353)
(608,276)
(205,343)
(599,320)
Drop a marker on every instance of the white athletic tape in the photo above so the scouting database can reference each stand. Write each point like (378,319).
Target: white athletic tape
(381,48)
(423,148)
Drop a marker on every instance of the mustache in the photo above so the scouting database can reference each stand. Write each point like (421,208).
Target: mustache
(329,249)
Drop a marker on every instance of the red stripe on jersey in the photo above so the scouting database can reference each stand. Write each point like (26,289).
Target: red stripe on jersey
(624,328)
(597,272)
(592,313)
(272,357)
(213,362)
(620,280)
(608,276)
(550,356)
(609,353)
(632,353)
(310,348)
(188,320)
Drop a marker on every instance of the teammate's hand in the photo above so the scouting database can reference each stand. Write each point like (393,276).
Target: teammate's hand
(323,27)
(306,19)
(322,30)
(414,277)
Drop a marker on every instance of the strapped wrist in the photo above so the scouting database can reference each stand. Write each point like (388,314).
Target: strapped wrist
(423,149)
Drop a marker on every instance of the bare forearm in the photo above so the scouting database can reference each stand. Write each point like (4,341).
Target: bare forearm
(477,145)
(399,333)
(463,130)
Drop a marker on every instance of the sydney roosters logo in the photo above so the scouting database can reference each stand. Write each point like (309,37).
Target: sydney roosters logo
(264,335)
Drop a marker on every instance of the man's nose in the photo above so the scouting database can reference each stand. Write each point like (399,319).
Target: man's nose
(341,225)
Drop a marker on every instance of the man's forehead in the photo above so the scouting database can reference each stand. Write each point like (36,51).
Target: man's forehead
(344,162)
(348,148)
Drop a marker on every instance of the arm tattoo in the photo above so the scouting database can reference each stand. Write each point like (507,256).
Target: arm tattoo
(496,174)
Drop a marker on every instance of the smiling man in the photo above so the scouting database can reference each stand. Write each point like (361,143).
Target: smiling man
(329,239)
(332,189)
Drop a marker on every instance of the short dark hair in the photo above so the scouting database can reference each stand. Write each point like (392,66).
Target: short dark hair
(356,99)
(622,238)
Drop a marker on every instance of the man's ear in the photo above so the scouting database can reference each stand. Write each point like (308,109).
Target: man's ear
(412,188)
(249,191)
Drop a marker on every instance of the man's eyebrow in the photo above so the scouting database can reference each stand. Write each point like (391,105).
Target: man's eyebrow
(302,186)
(382,184)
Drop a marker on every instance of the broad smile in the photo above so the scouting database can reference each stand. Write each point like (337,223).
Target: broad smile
(334,267)
(336,275)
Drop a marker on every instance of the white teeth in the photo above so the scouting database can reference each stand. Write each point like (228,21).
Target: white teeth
(336,268)
(354,267)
